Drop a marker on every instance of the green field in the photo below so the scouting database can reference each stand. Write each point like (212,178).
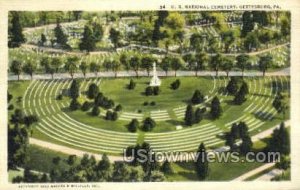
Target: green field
(83,131)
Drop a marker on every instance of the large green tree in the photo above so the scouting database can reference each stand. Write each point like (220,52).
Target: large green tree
(216,109)
(16,68)
(88,41)
(16,36)
(201,164)
(71,65)
(264,63)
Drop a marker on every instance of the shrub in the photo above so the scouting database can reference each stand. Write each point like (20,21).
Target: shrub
(139,111)
(109,115)
(197,97)
(118,107)
(133,125)
(11,107)
(74,105)
(145,103)
(114,116)
(92,91)
(156,90)
(175,85)
(152,103)
(131,85)
(95,111)
(59,97)
(148,124)
(86,106)
(149,91)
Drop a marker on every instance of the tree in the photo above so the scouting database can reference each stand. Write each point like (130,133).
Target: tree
(16,36)
(280,103)
(56,63)
(228,39)
(251,42)
(43,39)
(149,91)
(165,64)
(248,24)
(197,97)
(95,111)
(216,62)
(246,144)
(71,65)
(92,91)
(115,37)
(189,60)
(264,63)
(216,109)
(135,63)
(147,62)
(88,41)
(16,68)
(74,104)
(71,160)
(74,89)
(83,67)
(280,140)
(157,176)
(29,68)
(200,62)
(97,32)
(227,65)
(232,86)
(148,124)
(285,27)
(242,62)
(133,125)
(121,172)
(198,115)
(29,120)
(201,164)
(18,139)
(197,40)
(166,168)
(118,108)
(17,117)
(131,85)
(124,60)
(61,37)
(175,85)
(116,66)
(95,67)
(156,90)
(189,115)
(176,64)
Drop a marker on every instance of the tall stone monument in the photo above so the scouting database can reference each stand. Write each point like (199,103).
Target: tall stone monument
(155,81)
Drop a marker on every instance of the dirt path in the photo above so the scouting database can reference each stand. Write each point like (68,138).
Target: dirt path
(253,172)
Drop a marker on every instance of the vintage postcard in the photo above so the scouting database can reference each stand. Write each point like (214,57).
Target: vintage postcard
(143,95)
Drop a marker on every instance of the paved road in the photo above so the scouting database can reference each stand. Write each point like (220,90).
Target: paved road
(268,176)
(284,72)
(253,172)
(79,153)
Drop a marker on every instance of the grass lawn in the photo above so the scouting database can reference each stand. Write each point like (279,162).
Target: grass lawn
(218,171)
(132,100)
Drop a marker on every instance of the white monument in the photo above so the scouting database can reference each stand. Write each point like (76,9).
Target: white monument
(155,81)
